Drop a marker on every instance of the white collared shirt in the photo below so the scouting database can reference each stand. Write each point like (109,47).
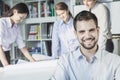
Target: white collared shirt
(103,16)
(9,34)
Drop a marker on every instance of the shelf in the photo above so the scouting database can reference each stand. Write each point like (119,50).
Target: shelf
(39,40)
(46,39)
(33,40)
(40,20)
(29,1)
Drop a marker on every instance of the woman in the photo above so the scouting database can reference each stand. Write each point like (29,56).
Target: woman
(10,33)
(102,13)
(63,38)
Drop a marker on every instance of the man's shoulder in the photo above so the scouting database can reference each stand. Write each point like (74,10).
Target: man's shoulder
(111,57)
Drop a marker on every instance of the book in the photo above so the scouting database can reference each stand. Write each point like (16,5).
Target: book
(50,3)
(43,9)
(38,32)
(33,9)
(34,33)
(49,30)
(46,48)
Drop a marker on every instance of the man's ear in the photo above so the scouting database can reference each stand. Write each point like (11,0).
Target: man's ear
(98,29)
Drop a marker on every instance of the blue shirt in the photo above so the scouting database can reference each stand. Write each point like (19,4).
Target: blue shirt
(74,66)
(63,38)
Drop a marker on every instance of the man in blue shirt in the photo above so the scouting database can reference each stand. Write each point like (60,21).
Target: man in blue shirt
(88,62)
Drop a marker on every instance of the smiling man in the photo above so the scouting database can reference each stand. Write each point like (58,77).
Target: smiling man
(88,62)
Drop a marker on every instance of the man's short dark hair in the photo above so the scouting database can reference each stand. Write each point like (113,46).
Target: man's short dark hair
(85,16)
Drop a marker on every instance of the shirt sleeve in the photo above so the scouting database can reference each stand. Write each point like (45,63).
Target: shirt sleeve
(61,72)
(117,77)
(19,39)
(1,32)
(104,24)
(117,71)
(55,41)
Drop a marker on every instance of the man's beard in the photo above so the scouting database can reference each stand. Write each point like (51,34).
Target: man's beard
(87,47)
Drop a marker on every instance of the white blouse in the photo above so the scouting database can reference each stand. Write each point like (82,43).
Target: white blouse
(9,34)
(101,11)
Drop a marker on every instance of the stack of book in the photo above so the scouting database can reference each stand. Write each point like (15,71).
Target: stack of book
(34,33)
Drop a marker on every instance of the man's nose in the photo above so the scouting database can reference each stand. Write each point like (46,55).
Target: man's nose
(87,34)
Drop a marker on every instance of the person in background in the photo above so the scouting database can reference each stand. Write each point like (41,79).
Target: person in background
(63,37)
(88,62)
(10,33)
(103,15)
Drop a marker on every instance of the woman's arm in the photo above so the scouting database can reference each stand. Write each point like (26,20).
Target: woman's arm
(55,41)
(27,54)
(104,23)
(3,57)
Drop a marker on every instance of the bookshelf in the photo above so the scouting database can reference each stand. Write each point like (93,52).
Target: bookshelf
(37,34)
(39,25)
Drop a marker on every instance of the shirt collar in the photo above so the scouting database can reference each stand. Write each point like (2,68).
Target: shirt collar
(98,54)
(8,21)
(78,54)
(70,21)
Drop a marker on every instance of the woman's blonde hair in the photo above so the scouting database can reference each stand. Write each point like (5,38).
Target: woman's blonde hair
(62,6)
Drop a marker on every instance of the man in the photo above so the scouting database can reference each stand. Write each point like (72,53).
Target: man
(88,62)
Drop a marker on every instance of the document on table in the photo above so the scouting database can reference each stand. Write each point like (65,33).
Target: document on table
(39,57)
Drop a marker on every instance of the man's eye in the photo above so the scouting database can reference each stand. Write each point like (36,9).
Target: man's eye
(81,32)
(92,30)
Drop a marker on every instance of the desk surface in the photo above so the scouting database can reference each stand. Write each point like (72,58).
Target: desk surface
(42,70)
